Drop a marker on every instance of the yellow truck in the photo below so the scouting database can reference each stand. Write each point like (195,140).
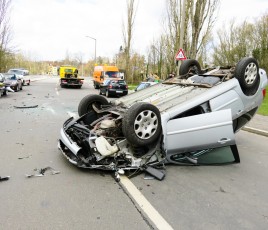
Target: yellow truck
(103,72)
(69,76)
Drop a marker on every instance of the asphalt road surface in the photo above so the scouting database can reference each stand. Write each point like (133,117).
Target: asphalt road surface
(222,197)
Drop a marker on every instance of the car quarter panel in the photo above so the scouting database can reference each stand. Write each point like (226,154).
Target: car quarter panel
(228,100)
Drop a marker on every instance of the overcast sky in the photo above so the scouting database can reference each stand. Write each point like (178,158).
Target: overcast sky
(48,29)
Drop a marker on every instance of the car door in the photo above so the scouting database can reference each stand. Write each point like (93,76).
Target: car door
(198,132)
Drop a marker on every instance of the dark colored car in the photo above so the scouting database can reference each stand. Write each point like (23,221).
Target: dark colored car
(114,87)
(14,81)
(4,86)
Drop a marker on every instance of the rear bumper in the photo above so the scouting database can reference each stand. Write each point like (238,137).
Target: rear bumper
(122,92)
(71,81)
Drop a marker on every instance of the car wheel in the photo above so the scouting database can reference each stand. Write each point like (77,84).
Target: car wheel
(142,124)
(100,93)
(29,82)
(21,87)
(190,66)
(107,93)
(86,103)
(247,73)
(17,88)
(96,86)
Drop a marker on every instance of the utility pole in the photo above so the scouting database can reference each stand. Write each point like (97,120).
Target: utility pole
(181,32)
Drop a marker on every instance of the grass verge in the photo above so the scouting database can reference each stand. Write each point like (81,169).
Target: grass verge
(263,110)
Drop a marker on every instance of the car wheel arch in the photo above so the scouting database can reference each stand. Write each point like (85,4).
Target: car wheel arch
(142,124)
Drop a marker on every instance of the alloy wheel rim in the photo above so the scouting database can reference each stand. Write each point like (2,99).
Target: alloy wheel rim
(251,73)
(145,124)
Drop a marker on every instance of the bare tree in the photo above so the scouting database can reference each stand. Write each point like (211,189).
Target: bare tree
(261,39)
(128,33)
(156,57)
(202,18)
(199,18)
(5,33)
(234,42)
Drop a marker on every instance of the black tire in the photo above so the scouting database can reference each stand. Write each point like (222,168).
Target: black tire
(247,73)
(190,66)
(21,87)
(142,124)
(85,104)
(96,86)
(17,88)
(5,93)
(29,82)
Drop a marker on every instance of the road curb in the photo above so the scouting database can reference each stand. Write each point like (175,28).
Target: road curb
(256,131)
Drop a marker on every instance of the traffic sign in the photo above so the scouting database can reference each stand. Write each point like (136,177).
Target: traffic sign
(180,55)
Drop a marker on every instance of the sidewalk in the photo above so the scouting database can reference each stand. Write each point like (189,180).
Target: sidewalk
(258,125)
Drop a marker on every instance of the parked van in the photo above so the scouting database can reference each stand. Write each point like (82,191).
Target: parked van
(103,72)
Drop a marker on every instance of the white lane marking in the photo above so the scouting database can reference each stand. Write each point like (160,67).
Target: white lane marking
(144,204)
(51,110)
(71,114)
(57,92)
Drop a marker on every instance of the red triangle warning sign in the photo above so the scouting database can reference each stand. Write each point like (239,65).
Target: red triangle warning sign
(180,55)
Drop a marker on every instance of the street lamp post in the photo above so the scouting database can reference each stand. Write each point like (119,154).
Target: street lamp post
(95,46)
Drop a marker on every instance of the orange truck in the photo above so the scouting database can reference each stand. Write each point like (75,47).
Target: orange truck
(103,72)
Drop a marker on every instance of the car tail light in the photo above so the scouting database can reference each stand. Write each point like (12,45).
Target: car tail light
(264,93)
(110,86)
(126,86)
(81,81)
(64,81)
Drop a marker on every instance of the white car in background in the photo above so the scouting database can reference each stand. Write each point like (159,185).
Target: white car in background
(144,85)
(23,74)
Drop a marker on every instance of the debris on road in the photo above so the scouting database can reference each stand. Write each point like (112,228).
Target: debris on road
(4,178)
(41,172)
(28,156)
(26,107)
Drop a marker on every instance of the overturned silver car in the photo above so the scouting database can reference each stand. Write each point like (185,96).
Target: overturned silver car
(187,120)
